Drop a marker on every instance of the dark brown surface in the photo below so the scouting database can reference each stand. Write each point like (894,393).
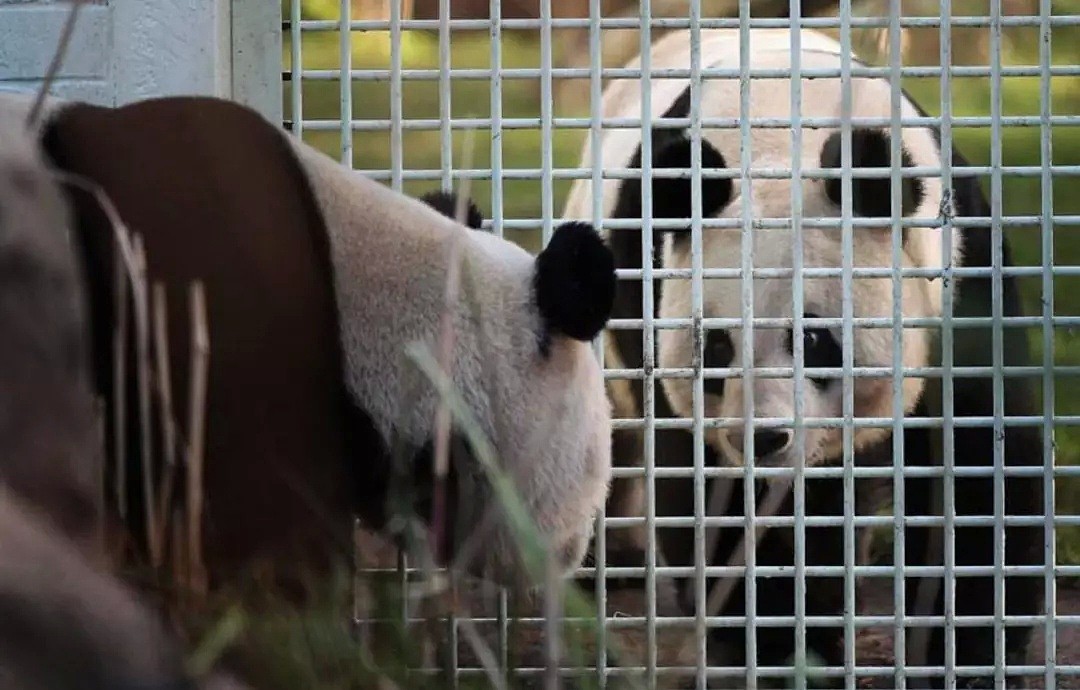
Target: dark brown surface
(218,197)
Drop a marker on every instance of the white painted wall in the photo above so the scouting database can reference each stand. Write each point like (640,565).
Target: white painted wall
(127,50)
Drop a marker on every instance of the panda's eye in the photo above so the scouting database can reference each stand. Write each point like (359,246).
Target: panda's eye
(719,351)
(820,349)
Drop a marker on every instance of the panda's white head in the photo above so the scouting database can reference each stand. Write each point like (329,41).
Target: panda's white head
(522,360)
(771,199)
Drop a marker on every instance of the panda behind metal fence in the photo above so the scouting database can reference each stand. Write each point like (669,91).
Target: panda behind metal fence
(857,468)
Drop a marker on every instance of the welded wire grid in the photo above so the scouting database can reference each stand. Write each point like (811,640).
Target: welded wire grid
(401,118)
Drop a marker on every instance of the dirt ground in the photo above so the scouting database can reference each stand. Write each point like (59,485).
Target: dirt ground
(525,638)
(877,644)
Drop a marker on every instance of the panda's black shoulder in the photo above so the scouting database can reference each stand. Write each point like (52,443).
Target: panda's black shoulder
(969,201)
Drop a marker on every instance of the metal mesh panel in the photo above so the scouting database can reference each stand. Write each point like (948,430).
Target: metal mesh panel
(530,89)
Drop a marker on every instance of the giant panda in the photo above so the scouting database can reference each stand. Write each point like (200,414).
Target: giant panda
(922,197)
(317,280)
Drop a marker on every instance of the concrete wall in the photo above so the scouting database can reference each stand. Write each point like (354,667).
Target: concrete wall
(126,50)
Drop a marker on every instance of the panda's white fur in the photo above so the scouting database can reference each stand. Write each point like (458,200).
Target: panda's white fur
(771,199)
(548,417)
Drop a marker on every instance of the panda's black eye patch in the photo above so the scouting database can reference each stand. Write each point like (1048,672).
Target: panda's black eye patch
(871,197)
(719,352)
(820,349)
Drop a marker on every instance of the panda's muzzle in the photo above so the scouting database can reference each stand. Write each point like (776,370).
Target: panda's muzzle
(770,445)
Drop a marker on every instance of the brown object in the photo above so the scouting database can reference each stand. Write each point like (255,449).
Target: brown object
(217,197)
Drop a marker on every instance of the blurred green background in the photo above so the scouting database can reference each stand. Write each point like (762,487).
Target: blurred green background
(522,148)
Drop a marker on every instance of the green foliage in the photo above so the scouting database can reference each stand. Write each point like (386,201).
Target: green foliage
(469,98)
(275,645)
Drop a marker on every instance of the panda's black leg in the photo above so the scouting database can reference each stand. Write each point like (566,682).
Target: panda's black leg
(980,447)
(978,546)
(675,497)
(995,453)
(922,547)
(824,594)
(972,496)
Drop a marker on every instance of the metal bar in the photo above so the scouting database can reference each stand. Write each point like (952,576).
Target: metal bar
(838,373)
(1049,371)
(798,353)
(997,344)
(899,509)
(867,22)
(648,334)
(764,223)
(673,672)
(847,344)
(947,393)
(546,114)
(860,272)
(862,521)
(697,312)
(858,472)
(446,112)
(497,73)
(296,71)
(747,322)
(397,153)
(859,422)
(346,111)
(867,621)
(596,150)
(772,122)
(429,74)
(502,621)
(862,322)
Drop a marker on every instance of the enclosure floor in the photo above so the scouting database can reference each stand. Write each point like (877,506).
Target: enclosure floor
(876,644)
(674,646)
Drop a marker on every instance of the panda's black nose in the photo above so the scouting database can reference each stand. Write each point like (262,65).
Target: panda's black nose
(767,442)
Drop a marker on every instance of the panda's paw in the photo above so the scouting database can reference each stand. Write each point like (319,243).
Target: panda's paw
(575,281)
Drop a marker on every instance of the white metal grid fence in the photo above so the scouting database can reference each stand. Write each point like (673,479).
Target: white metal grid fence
(393,139)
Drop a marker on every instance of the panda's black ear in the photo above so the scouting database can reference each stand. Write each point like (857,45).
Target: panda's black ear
(446,204)
(575,281)
(871,197)
(671,196)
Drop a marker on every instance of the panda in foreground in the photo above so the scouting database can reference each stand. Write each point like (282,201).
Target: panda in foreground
(317,280)
(922,197)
